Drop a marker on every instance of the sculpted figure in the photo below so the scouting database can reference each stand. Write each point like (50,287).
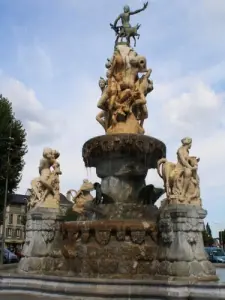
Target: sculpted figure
(83,197)
(123,100)
(143,86)
(55,182)
(181,180)
(46,186)
(126,30)
(102,117)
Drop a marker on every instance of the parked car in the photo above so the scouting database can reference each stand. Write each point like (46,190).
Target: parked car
(215,255)
(10,257)
(19,255)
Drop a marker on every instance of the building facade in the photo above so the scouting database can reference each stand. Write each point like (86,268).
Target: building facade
(15,222)
(16,217)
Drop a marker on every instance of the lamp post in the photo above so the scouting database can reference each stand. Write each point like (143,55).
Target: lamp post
(9,139)
(27,194)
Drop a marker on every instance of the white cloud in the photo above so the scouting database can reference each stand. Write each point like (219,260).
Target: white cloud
(185,46)
(40,123)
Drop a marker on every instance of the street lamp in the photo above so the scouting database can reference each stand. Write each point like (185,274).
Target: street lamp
(28,194)
(10,139)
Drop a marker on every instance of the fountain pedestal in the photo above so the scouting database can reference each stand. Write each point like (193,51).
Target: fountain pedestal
(123,243)
(43,242)
(180,247)
(122,162)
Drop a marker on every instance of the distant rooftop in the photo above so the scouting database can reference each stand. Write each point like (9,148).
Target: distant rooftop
(22,199)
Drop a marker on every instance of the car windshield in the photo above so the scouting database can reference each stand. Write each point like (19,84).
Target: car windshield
(218,252)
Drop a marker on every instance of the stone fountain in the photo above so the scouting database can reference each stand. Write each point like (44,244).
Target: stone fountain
(121,234)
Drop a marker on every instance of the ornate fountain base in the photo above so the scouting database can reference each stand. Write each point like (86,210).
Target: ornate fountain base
(181,252)
(110,249)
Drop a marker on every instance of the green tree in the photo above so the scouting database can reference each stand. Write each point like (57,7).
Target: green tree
(222,237)
(207,236)
(208,229)
(16,148)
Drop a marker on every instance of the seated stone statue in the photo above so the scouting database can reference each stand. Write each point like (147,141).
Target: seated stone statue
(45,188)
(181,180)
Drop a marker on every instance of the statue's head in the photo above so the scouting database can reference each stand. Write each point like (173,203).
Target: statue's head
(193,161)
(126,9)
(150,86)
(87,186)
(187,141)
(101,83)
(47,153)
(56,168)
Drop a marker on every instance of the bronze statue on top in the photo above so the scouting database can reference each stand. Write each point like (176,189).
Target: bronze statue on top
(123,101)
(126,30)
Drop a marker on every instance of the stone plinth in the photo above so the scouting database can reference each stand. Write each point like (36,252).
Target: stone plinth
(122,162)
(110,249)
(180,248)
(42,248)
(32,287)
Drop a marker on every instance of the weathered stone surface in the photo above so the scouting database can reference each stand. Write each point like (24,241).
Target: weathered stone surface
(114,248)
(101,288)
(43,245)
(111,153)
(181,243)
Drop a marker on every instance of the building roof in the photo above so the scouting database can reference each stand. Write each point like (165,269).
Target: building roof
(20,199)
(17,199)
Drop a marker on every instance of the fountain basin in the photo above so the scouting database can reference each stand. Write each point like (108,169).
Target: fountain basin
(123,154)
(122,162)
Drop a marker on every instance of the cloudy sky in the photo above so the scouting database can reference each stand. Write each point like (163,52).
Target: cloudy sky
(53,52)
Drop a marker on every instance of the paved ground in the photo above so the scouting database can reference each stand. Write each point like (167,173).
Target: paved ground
(23,297)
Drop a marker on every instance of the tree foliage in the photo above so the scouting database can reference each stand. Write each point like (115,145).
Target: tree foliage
(207,236)
(222,237)
(16,148)
(208,229)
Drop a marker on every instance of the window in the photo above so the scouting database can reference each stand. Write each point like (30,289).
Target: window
(9,231)
(10,218)
(19,219)
(18,233)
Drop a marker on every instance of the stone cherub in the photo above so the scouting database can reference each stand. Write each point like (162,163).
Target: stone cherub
(83,197)
(126,30)
(85,205)
(45,188)
(181,180)
(102,117)
(143,86)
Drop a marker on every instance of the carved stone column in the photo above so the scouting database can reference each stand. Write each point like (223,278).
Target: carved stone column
(42,248)
(181,251)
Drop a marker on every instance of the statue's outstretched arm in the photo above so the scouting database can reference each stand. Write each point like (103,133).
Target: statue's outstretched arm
(139,10)
(148,73)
